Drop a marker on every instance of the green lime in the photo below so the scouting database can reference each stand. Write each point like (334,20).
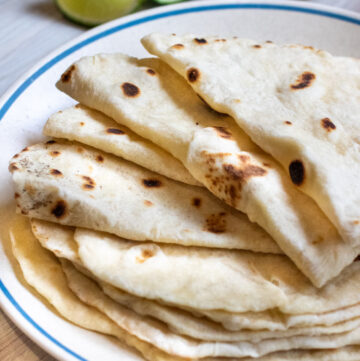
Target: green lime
(95,12)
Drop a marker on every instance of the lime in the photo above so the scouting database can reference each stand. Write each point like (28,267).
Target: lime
(95,12)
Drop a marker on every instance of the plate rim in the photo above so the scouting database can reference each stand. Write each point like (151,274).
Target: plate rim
(10,306)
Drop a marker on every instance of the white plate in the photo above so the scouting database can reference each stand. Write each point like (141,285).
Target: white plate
(26,106)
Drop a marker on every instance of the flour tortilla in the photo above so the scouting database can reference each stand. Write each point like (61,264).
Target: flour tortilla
(43,272)
(163,108)
(350,353)
(93,128)
(265,87)
(156,333)
(60,240)
(181,322)
(274,320)
(69,184)
(209,279)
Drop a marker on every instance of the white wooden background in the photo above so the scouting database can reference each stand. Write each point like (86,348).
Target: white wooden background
(29,30)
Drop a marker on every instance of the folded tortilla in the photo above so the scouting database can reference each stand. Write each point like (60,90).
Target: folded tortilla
(155,102)
(79,186)
(209,279)
(299,104)
(93,128)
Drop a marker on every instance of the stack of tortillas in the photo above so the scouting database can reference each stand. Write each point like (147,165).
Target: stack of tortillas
(201,205)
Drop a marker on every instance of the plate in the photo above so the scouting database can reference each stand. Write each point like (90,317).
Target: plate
(26,106)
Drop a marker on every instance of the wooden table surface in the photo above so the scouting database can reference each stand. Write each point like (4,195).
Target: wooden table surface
(29,30)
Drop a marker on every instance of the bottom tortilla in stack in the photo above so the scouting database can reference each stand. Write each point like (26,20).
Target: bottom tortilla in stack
(44,273)
(60,240)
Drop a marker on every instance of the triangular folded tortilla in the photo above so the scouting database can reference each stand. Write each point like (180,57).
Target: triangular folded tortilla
(80,186)
(298,103)
(155,102)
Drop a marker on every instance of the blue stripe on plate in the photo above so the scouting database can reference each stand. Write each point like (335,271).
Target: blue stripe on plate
(113,30)
(28,318)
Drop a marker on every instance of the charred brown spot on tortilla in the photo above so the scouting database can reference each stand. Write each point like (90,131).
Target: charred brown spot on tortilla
(26,149)
(357,258)
(212,156)
(87,186)
(114,131)
(193,75)
(178,46)
(68,73)
(257,46)
(200,41)
(151,183)
(244,173)
(13,167)
(151,72)
(268,42)
(216,223)
(223,132)
(50,142)
(148,203)
(287,122)
(268,165)
(99,158)
(356,222)
(244,158)
(317,240)
(303,81)
(232,192)
(29,189)
(196,202)
(82,124)
(60,209)
(24,212)
(80,150)
(88,179)
(130,90)
(56,173)
(55,153)
(16,156)
(78,106)
(16,195)
(327,124)
(228,179)
(89,183)
(220,40)
(297,172)
(145,254)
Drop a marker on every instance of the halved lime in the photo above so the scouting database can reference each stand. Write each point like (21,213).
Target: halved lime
(95,12)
